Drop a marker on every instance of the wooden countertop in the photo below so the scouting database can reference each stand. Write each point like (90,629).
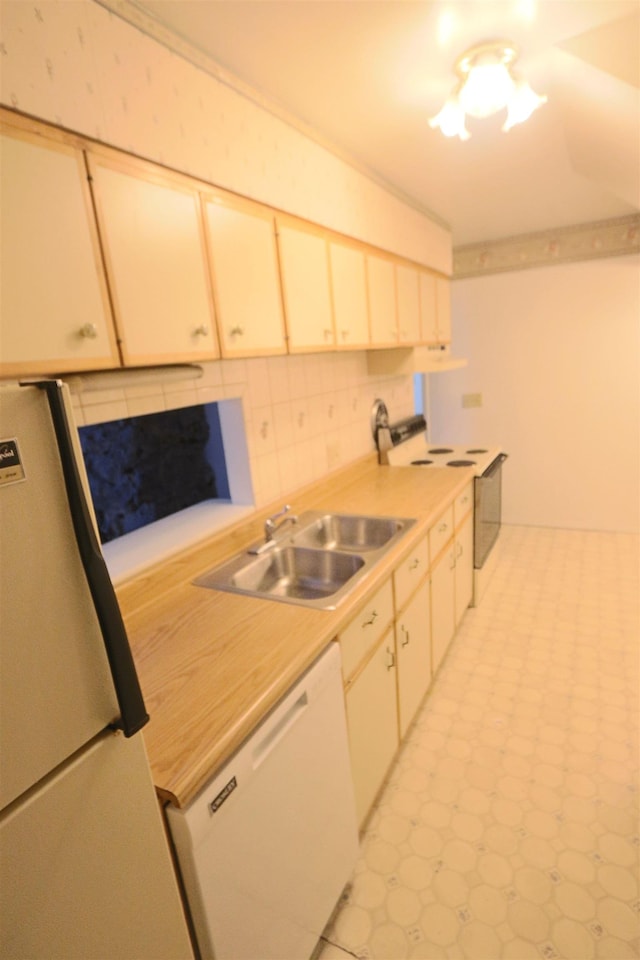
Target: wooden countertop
(212,664)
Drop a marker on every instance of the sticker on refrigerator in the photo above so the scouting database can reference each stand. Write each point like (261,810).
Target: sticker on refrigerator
(11,469)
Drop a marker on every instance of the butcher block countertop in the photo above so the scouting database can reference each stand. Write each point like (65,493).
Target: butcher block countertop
(212,664)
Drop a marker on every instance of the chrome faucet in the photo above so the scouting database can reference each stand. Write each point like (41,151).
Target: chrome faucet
(270,525)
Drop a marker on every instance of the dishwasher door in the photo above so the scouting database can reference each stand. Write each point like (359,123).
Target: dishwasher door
(267,847)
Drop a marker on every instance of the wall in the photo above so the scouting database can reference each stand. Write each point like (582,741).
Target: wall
(304,415)
(555,354)
(79,65)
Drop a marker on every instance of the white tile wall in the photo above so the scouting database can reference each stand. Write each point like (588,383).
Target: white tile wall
(304,415)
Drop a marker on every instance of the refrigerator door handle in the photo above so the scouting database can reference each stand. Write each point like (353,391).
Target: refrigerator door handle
(133,714)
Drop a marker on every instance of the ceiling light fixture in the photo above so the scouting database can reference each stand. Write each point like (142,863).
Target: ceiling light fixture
(487,85)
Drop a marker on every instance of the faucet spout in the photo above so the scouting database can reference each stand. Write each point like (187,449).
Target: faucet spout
(271,526)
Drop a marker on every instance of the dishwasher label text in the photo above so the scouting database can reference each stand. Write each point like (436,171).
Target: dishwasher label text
(226,791)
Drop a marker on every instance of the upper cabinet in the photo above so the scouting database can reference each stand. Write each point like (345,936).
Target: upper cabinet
(154,250)
(435,308)
(443,309)
(244,267)
(55,313)
(381,294)
(349,290)
(408,299)
(306,290)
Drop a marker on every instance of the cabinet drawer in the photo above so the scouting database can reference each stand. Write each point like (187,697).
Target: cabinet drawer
(409,574)
(440,533)
(365,629)
(463,503)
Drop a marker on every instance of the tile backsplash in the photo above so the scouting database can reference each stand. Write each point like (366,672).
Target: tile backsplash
(304,415)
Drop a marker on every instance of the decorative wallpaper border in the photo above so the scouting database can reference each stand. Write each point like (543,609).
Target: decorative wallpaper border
(587,241)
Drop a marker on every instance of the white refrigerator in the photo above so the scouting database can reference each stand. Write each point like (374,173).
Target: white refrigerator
(85,869)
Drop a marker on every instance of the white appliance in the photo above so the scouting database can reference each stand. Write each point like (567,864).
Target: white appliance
(405,444)
(85,869)
(267,847)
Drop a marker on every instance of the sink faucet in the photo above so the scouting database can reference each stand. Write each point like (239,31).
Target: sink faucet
(270,525)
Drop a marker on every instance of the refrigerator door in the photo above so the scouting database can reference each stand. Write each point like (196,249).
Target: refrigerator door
(56,691)
(100,884)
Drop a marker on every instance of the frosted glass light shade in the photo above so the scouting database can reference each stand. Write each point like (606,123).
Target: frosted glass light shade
(487,85)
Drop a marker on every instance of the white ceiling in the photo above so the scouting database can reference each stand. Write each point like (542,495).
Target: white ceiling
(367,74)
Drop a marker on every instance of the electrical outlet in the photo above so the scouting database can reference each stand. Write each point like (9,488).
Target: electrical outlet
(471,399)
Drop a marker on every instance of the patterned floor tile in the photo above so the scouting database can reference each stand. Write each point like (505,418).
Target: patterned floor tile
(508,828)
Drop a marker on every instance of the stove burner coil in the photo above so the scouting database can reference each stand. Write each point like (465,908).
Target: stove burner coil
(460,463)
(440,450)
(420,463)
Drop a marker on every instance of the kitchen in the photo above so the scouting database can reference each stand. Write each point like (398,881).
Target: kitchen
(586,356)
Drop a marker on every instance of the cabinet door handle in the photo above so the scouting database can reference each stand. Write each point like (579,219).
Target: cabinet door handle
(328,334)
(391,659)
(414,563)
(442,527)
(89,331)
(201,331)
(452,560)
(237,331)
(459,550)
(345,334)
(405,642)
(372,619)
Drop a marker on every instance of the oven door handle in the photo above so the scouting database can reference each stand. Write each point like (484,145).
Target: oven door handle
(494,466)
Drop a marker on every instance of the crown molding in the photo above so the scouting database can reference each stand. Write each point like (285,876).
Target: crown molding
(587,241)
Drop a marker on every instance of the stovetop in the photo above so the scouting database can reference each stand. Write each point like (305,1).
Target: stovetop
(419,452)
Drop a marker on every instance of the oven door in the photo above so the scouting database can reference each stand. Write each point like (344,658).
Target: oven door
(488,510)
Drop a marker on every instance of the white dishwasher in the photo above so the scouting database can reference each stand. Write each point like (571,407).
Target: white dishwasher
(267,846)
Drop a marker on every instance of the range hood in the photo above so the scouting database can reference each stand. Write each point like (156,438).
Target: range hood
(408,360)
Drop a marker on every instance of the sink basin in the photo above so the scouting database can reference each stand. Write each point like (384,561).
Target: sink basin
(336,531)
(288,573)
(315,562)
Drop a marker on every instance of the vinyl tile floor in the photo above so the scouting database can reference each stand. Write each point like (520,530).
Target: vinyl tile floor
(508,826)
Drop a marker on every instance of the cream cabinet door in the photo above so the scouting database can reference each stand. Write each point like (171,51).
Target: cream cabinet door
(464,568)
(413,648)
(304,266)
(371,703)
(154,249)
(442,605)
(408,293)
(428,311)
(443,308)
(55,307)
(246,282)
(381,292)
(349,291)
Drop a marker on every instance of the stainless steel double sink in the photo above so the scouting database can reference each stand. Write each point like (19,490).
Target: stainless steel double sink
(317,563)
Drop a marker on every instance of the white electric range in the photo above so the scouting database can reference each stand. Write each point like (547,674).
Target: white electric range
(405,444)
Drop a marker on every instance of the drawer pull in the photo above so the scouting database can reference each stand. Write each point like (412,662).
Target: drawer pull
(391,659)
(201,331)
(371,620)
(237,331)
(415,563)
(405,642)
(442,527)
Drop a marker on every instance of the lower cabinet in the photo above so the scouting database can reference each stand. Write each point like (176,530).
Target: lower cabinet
(413,656)
(442,604)
(464,567)
(393,647)
(372,723)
